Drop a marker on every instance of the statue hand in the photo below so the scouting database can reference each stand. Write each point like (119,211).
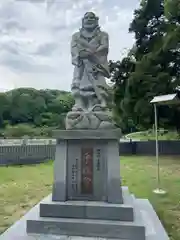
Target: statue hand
(85,53)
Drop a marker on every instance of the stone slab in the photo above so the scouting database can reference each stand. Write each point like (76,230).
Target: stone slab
(114,193)
(87,228)
(114,134)
(127,197)
(154,228)
(60,169)
(86,210)
(130,230)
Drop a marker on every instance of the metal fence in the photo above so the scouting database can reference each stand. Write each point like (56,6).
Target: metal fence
(10,142)
(147,148)
(16,154)
(26,154)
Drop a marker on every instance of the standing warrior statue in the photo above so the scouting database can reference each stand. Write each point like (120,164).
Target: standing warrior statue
(89,50)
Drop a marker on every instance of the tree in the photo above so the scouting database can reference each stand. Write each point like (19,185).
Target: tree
(25,107)
(171,41)
(171,44)
(152,72)
(4,107)
(120,72)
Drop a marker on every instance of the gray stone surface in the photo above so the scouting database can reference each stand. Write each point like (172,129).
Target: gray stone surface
(89,51)
(90,120)
(144,214)
(114,193)
(102,145)
(154,227)
(114,134)
(60,164)
(88,225)
(87,228)
(86,210)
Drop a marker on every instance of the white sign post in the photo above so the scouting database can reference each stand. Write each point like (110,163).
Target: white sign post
(170,99)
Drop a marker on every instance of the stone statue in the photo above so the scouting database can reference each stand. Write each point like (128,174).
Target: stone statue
(89,51)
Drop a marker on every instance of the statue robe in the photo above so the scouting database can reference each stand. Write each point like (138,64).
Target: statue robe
(89,73)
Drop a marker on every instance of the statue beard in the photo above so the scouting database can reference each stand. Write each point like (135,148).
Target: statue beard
(90,27)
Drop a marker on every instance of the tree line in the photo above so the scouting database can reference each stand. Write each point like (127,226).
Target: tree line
(151,67)
(27,111)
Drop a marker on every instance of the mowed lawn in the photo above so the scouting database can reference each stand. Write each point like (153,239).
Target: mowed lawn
(21,187)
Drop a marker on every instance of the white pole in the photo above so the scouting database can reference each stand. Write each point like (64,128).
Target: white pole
(157,145)
(158,190)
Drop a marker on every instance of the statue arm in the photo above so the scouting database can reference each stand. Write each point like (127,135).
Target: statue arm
(104,46)
(75,52)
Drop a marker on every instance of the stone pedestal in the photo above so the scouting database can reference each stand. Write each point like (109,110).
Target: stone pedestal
(79,220)
(87,166)
(87,199)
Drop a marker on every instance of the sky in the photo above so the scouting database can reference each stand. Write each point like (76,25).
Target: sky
(35,38)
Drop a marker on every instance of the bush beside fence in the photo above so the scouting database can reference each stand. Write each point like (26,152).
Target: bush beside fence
(32,154)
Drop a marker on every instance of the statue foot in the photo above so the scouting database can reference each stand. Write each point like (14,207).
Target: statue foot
(99,107)
(77,120)
(89,120)
(77,108)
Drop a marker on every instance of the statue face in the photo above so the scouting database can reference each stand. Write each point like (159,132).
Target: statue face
(90,21)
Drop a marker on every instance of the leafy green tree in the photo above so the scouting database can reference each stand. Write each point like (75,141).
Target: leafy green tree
(152,72)
(40,109)
(120,73)
(4,107)
(171,44)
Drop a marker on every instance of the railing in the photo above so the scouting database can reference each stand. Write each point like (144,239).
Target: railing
(10,142)
(26,154)
(30,152)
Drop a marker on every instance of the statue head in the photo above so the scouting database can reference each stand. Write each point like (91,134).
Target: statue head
(90,21)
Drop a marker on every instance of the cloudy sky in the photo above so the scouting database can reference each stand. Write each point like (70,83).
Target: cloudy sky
(35,38)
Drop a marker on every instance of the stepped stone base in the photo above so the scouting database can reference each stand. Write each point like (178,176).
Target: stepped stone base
(89,220)
(89,209)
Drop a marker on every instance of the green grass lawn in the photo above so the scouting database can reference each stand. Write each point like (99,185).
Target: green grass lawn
(22,187)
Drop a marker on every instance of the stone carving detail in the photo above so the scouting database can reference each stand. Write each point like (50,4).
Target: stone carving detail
(98,155)
(89,51)
(91,119)
(74,176)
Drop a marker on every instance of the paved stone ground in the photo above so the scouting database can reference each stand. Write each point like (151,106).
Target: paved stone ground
(154,228)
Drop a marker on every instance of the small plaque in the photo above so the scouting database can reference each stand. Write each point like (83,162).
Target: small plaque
(87,171)
(73,170)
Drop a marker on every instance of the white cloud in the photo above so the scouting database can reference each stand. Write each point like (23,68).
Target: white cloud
(35,38)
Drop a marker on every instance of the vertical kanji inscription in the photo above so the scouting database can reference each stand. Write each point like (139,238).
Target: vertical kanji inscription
(87,171)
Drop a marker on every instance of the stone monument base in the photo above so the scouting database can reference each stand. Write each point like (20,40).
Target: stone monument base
(87,198)
(76,220)
(87,166)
